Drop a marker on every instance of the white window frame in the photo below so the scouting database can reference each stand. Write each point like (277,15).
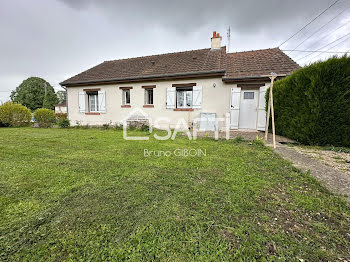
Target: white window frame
(248,95)
(125,91)
(147,102)
(94,108)
(185,91)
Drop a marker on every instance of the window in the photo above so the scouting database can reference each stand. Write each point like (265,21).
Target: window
(248,95)
(126,96)
(184,97)
(93,101)
(149,96)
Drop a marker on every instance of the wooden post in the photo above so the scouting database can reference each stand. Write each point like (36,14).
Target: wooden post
(271,109)
(268,116)
(273,113)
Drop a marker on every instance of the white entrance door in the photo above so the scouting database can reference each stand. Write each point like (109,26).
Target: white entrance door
(248,109)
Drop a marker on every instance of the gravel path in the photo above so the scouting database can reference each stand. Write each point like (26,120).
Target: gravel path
(334,180)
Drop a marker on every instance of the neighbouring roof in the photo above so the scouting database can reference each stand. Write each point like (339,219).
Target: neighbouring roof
(194,63)
(62,104)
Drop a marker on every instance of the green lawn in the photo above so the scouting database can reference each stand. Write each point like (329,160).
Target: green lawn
(89,195)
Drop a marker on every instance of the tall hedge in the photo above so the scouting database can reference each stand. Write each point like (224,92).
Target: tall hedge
(312,105)
(16,115)
(44,117)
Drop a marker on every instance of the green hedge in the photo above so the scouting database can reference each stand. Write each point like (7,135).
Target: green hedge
(45,117)
(312,105)
(16,115)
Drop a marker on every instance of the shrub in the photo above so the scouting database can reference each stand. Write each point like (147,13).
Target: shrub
(44,117)
(63,122)
(61,116)
(312,104)
(12,114)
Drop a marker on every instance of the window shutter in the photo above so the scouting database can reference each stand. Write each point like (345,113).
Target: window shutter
(170,97)
(261,109)
(81,99)
(102,101)
(235,101)
(197,97)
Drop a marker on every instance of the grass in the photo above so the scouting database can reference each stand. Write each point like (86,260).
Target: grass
(89,195)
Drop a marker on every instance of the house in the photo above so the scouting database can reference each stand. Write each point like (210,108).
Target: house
(61,108)
(203,83)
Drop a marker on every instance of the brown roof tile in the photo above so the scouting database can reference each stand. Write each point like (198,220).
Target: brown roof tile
(257,63)
(195,62)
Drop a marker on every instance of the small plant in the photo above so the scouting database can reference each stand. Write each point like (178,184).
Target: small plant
(118,126)
(144,127)
(338,149)
(238,139)
(105,126)
(16,115)
(132,125)
(44,117)
(258,141)
(63,122)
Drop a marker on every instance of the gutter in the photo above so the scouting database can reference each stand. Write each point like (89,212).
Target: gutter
(246,78)
(243,78)
(140,78)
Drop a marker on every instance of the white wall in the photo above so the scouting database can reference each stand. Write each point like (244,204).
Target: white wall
(60,109)
(214,100)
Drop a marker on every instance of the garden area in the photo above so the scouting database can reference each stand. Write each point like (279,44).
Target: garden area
(86,194)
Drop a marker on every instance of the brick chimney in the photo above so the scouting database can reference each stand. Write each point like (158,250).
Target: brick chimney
(216,41)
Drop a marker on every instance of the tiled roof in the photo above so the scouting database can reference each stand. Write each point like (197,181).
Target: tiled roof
(181,64)
(195,61)
(257,63)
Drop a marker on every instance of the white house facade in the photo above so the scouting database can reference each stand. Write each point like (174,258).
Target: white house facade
(206,84)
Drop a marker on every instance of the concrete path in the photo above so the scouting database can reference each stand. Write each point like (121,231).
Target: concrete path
(335,181)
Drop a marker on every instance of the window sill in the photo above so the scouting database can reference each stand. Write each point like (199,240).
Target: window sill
(183,109)
(126,106)
(92,113)
(148,105)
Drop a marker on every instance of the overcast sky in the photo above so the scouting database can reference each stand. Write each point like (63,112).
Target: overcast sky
(56,39)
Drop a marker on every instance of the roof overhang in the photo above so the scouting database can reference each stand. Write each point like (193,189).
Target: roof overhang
(146,78)
(244,79)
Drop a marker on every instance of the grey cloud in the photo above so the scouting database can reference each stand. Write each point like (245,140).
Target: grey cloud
(57,39)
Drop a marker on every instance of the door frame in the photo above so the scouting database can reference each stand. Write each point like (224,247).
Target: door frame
(256,99)
(260,116)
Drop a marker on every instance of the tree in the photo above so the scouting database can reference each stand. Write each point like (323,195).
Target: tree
(34,93)
(61,96)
